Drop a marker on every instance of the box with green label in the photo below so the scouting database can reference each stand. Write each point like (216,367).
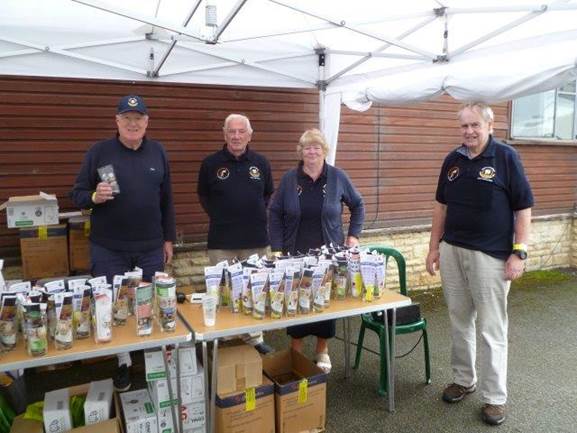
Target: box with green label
(139,415)
(31,210)
(248,411)
(300,392)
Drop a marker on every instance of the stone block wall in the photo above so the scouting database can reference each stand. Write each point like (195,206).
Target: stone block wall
(553,245)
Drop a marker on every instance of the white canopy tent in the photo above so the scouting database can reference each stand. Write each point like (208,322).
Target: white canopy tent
(354,52)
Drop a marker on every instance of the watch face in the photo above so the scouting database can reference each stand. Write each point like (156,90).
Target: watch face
(521,254)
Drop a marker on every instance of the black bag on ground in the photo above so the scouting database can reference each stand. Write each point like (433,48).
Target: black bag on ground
(405,315)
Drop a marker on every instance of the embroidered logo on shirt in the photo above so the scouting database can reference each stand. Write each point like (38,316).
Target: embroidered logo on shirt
(487,173)
(152,169)
(254,172)
(453,173)
(222,173)
(299,190)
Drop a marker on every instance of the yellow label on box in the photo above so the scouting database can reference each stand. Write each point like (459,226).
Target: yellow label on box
(43,233)
(303,391)
(250,399)
(86,228)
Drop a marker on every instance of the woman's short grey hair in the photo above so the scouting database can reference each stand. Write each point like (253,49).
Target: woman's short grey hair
(312,136)
(235,116)
(480,107)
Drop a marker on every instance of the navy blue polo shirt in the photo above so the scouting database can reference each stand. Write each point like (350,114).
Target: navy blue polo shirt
(482,195)
(311,197)
(235,193)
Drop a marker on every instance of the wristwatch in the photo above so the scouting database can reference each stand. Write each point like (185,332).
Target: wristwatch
(520,250)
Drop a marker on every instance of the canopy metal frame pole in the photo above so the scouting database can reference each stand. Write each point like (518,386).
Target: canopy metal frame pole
(234,11)
(359,62)
(342,24)
(173,43)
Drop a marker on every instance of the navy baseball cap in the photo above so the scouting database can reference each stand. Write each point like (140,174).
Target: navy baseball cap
(131,103)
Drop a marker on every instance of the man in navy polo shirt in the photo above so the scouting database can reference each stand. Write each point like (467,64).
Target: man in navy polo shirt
(479,235)
(132,221)
(234,188)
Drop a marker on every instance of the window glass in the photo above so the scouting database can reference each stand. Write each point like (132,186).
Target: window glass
(564,117)
(533,115)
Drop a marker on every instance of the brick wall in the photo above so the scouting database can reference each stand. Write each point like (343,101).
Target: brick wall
(553,245)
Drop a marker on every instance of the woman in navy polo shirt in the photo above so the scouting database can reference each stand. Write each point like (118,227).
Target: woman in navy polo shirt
(306,212)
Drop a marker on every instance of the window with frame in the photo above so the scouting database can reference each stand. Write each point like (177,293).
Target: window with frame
(550,115)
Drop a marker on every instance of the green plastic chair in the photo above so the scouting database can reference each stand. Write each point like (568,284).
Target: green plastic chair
(367,322)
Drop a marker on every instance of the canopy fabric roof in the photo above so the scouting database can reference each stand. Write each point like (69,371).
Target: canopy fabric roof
(352,51)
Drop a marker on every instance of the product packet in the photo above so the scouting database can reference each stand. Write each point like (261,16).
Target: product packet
(56,286)
(257,283)
(8,323)
(144,310)
(97,282)
(291,291)
(380,275)
(341,277)
(134,279)
(355,278)
(368,275)
(63,335)
(165,290)
(37,338)
(246,291)
(212,279)
(82,315)
(326,285)
(120,309)
(102,314)
(318,294)
(116,284)
(106,174)
(305,291)
(236,286)
(276,293)
(224,285)
(18,287)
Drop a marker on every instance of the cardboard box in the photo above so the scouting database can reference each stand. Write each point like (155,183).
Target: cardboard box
(238,367)
(191,390)
(98,402)
(193,418)
(56,412)
(108,426)
(235,415)
(300,392)
(44,252)
(139,415)
(79,243)
(31,210)
(154,364)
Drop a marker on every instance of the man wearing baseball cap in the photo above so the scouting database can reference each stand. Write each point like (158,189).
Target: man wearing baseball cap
(126,182)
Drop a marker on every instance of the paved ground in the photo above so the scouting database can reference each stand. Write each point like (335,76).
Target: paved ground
(542,370)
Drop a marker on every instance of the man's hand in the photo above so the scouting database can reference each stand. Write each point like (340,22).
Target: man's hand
(103,193)
(352,241)
(168,252)
(514,267)
(433,261)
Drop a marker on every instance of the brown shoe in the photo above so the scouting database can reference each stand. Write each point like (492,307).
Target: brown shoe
(455,392)
(493,414)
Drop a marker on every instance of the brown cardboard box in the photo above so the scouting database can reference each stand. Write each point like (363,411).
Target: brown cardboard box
(234,415)
(239,367)
(78,243)
(300,392)
(44,251)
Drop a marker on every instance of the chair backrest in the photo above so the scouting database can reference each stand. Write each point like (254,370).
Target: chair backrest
(395,254)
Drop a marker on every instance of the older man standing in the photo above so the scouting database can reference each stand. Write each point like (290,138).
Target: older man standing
(132,221)
(479,236)
(234,187)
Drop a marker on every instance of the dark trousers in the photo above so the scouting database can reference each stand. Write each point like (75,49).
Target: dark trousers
(110,263)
